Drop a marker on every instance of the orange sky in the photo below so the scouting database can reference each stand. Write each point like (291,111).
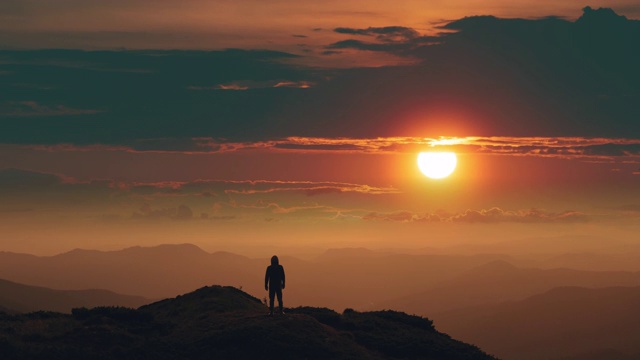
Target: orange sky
(300,197)
(201,24)
(297,140)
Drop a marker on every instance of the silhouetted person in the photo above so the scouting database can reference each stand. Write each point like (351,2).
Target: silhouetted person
(274,282)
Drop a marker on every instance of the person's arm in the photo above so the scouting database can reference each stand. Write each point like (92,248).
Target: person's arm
(266,279)
(283,277)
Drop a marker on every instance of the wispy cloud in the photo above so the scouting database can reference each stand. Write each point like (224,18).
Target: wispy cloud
(593,149)
(387,33)
(241,200)
(249,85)
(567,147)
(313,189)
(33,108)
(493,215)
(533,146)
(294,84)
(12,179)
(251,187)
(394,39)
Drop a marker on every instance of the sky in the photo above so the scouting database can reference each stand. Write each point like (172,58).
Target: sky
(250,125)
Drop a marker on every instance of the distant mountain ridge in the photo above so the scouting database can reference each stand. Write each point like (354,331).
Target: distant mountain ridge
(499,281)
(565,322)
(168,270)
(155,272)
(224,322)
(420,284)
(25,298)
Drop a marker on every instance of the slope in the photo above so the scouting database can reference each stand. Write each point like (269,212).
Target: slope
(224,322)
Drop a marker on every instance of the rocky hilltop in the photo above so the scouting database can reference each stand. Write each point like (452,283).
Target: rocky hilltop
(224,323)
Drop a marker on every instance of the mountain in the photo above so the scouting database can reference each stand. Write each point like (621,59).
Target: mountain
(547,245)
(360,279)
(348,254)
(623,261)
(499,281)
(338,279)
(154,272)
(224,322)
(563,323)
(24,298)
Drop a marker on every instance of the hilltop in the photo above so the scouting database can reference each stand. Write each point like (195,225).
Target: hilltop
(224,322)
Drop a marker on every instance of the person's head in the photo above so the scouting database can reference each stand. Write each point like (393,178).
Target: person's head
(274,260)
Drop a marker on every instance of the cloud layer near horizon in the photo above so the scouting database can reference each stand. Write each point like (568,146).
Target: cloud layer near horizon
(27,193)
(564,147)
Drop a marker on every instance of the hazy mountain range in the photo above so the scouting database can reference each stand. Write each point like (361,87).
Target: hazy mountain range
(480,299)
(16,297)
(499,281)
(339,278)
(565,322)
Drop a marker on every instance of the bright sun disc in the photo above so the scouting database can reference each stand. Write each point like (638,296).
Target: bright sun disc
(437,165)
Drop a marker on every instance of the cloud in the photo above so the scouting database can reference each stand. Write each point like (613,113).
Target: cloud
(294,84)
(321,190)
(17,179)
(402,216)
(231,86)
(493,215)
(588,149)
(386,34)
(331,52)
(523,216)
(485,77)
(248,85)
(361,45)
(25,192)
(215,188)
(263,209)
(315,146)
(32,108)
(40,191)
(392,39)
(561,147)
(139,104)
(308,188)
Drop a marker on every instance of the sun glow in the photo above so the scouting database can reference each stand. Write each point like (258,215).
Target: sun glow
(437,165)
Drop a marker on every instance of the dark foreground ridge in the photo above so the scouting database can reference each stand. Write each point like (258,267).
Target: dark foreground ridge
(224,323)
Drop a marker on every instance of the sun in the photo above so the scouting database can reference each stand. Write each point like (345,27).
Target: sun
(437,165)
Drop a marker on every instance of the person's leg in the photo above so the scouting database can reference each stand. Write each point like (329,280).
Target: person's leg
(272,294)
(279,293)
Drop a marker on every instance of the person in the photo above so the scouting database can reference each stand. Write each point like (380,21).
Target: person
(274,283)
